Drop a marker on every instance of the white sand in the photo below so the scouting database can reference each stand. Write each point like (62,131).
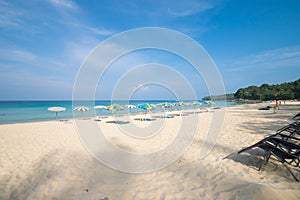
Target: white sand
(45,160)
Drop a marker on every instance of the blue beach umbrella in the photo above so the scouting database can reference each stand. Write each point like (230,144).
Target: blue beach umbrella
(166,105)
(145,107)
(179,104)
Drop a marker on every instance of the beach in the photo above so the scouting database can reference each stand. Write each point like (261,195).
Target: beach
(46,160)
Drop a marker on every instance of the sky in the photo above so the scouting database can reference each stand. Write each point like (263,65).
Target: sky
(43,44)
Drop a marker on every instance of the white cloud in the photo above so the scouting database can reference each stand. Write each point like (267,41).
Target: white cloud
(98,31)
(271,59)
(17,55)
(59,63)
(77,51)
(10,16)
(90,29)
(64,4)
(190,8)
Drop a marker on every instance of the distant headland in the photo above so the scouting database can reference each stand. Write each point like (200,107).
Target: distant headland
(265,92)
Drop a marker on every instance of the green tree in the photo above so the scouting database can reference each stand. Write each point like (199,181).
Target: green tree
(284,91)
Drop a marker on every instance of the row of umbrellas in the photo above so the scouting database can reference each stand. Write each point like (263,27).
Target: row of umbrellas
(117,107)
(62,109)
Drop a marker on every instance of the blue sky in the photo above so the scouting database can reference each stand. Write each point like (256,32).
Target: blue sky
(43,43)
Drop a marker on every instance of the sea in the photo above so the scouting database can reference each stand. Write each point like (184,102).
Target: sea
(35,111)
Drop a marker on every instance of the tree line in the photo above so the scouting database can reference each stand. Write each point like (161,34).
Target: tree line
(284,91)
(228,97)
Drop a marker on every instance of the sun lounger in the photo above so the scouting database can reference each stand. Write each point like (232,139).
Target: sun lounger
(290,132)
(297,116)
(265,108)
(281,156)
(284,151)
(293,128)
(284,146)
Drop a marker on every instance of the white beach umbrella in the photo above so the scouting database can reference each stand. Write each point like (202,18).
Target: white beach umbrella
(81,109)
(101,107)
(197,103)
(209,102)
(56,109)
(130,106)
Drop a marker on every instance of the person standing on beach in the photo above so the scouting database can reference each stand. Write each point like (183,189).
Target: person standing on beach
(276,105)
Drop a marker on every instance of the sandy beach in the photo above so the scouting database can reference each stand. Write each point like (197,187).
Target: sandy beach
(46,160)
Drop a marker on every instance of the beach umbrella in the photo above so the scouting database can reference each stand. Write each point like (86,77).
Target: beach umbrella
(196,104)
(130,107)
(165,105)
(56,110)
(101,107)
(153,105)
(115,107)
(179,104)
(184,105)
(209,102)
(189,103)
(81,109)
(145,107)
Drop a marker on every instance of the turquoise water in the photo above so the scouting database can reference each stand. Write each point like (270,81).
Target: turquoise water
(32,111)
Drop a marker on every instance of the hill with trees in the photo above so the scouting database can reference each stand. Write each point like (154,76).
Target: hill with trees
(284,91)
(228,97)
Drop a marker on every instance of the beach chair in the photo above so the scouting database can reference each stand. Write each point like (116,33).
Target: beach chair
(283,151)
(282,156)
(297,116)
(292,128)
(290,132)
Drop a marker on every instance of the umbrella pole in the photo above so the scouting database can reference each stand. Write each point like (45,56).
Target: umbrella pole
(56,115)
(115,115)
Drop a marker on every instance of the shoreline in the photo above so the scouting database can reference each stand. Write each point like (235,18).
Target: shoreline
(110,115)
(47,160)
(32,111)
(101,116)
